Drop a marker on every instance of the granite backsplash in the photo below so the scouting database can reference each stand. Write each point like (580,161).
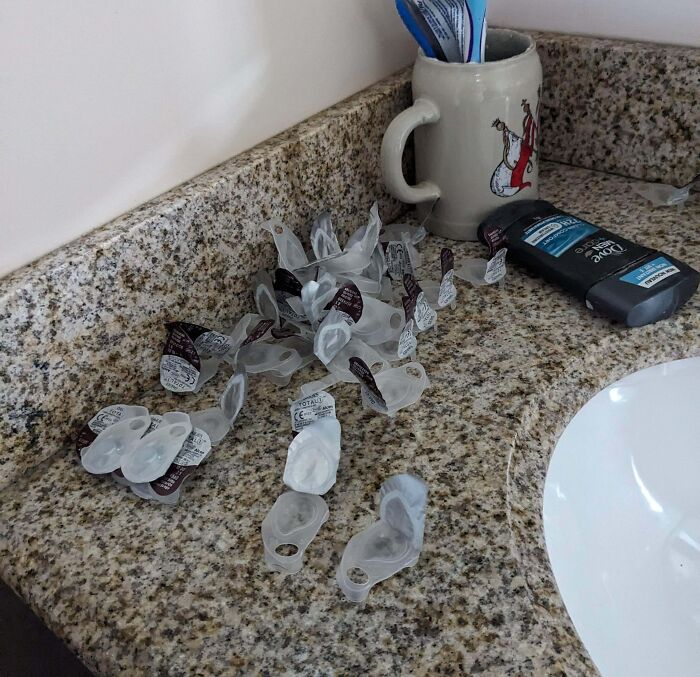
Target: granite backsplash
(630,108)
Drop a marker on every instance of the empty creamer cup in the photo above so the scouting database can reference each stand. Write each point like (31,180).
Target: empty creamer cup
(248,330)
(439,295)
(291,254)
(389,545)
(358,250)
(377,265)
(291,525)
(105,454)
(257,358)
(104,419)
(482,271)
(402,386)
(393,389)
(316,295)
(209,367)
(313,457)
(217,421)
(324,383)
(118,475)
(379,322)
(152,455)
(400,232)
(331,336)
(336,329)
(340,366)
(304,348)
(324,241)
(389,351)
(168,488)
(365,284)
(264,295)
(431,289)
(402,502)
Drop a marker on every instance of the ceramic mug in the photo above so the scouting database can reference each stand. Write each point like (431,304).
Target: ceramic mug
(476,132)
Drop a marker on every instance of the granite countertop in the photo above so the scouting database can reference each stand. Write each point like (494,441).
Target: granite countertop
(145,589)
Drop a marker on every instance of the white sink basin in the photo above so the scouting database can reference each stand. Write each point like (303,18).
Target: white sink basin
(622,523)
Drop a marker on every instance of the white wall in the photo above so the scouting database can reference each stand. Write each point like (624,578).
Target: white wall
(107,103)
(669,21)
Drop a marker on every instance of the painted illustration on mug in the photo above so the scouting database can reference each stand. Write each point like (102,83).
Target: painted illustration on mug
(510,177)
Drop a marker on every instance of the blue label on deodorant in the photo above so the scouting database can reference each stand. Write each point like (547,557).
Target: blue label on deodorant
(651,273)
(558,234)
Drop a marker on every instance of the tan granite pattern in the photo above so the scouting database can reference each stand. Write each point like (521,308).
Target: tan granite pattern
(143,589)
(625,107)
(84,324)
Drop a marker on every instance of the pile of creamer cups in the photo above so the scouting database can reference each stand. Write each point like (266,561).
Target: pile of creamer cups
(359,310)
(152,454)
(341,300)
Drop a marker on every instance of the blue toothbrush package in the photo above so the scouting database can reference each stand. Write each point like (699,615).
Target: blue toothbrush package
(448,30)
(476,10)
(419,29)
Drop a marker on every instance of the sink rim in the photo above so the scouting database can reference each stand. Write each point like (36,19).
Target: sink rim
(541,422)
(613,461)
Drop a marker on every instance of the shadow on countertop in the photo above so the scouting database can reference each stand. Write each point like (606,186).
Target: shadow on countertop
(27,647)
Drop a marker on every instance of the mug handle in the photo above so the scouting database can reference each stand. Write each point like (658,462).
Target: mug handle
(422,112)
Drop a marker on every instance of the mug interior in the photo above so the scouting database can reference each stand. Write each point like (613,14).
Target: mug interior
(505,44)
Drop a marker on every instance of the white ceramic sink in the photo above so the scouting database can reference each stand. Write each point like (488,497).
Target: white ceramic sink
(622,523)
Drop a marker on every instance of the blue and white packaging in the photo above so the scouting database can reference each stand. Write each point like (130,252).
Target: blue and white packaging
(448,30)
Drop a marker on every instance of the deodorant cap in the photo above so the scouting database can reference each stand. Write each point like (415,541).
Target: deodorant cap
(636,305)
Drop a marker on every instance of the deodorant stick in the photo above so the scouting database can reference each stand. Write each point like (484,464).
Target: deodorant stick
(618,278)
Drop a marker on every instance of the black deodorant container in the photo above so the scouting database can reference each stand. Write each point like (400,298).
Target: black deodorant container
(618,278)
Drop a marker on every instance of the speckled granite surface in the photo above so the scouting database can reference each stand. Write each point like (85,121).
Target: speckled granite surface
(624,107)
(84,323)
(141,589)
(97,306)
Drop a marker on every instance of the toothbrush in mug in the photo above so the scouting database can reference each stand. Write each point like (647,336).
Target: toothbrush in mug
(475,32)
(448,30)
